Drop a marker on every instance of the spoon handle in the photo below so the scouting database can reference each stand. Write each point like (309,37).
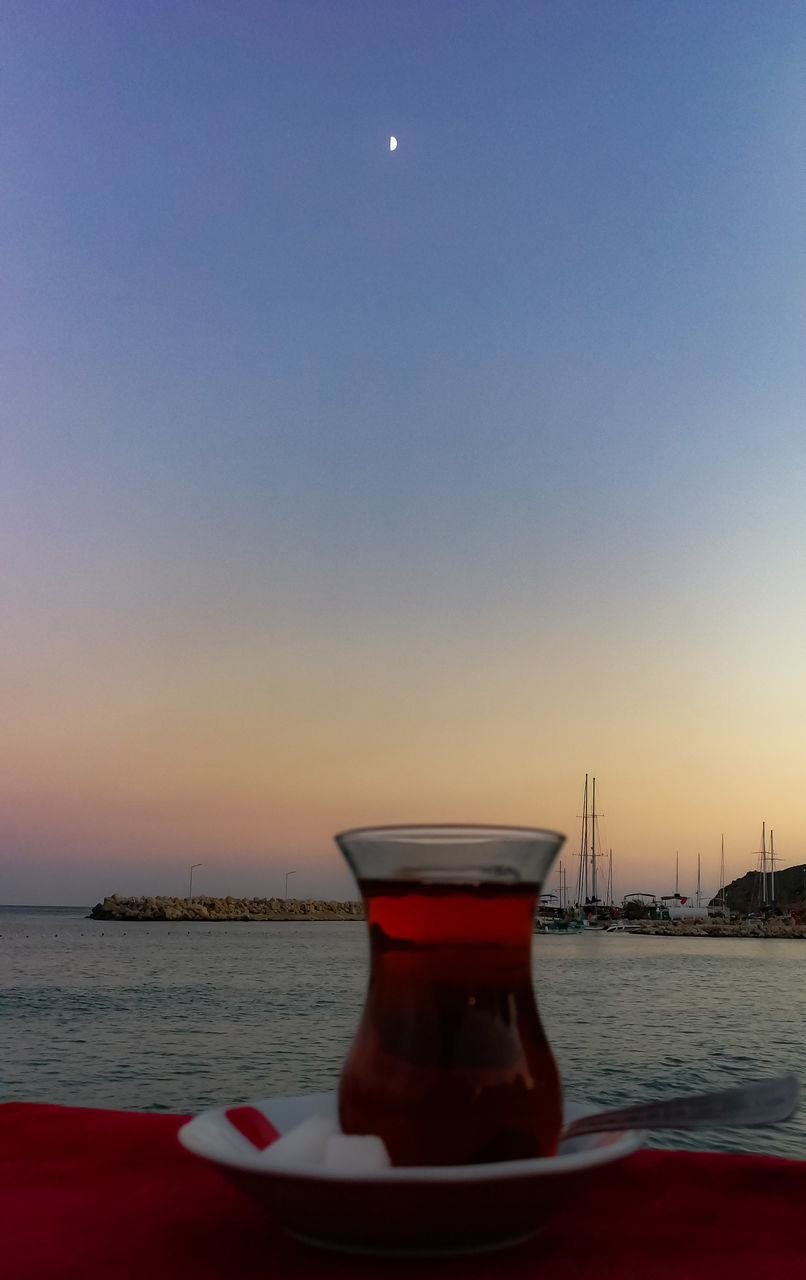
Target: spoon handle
(766,1102)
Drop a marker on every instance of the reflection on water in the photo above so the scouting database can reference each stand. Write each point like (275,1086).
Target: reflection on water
(178,1017)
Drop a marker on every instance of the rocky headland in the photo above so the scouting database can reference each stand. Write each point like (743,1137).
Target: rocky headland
(747,893)
(223,909)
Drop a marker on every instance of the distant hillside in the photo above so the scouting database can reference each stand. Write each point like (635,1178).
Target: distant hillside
(745,894)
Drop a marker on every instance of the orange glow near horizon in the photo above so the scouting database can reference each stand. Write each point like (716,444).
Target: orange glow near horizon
(250,770)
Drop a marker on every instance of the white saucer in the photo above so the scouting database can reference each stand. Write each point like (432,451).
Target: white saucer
(426,1211)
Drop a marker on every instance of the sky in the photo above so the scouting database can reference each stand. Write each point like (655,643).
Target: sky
(342,486)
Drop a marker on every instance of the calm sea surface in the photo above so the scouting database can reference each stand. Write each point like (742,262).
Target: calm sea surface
(178,1017)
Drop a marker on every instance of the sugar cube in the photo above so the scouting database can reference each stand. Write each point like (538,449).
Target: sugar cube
(356,1152)
(303,1145)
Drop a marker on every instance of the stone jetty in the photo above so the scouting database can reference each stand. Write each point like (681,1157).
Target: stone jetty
(774,927)
(222,909)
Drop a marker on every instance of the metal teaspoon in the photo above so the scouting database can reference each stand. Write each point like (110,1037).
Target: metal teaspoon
(765,1102)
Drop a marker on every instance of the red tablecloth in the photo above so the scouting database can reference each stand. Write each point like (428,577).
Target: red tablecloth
(110,1194)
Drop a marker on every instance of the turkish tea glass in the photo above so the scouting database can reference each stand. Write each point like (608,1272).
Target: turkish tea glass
(450,1064)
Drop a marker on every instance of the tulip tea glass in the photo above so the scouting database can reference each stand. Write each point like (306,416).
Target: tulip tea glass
(450,1064)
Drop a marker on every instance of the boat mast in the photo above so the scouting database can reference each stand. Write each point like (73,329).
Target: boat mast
(676,873)
(722,878)
(699,883)
(772,872)
(763,865)
(594,894)
(582,881)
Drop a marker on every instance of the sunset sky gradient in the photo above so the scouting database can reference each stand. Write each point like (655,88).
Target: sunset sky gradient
(342,486)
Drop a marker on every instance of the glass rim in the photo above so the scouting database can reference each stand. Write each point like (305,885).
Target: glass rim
(402,830)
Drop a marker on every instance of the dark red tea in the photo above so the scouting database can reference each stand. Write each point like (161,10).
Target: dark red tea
(451,1064)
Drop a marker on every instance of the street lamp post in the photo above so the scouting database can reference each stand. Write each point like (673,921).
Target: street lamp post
(287,874)
(193,867)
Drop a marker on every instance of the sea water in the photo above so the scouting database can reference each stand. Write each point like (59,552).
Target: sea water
(179,1017)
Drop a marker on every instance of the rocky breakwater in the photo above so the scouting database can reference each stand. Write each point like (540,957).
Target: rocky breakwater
(220,909)
(772,928)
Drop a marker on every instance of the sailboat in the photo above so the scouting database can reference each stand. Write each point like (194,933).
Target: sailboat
(765,889)
(591,909)
(589,903)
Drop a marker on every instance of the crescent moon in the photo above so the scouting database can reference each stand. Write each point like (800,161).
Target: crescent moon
(393,144)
